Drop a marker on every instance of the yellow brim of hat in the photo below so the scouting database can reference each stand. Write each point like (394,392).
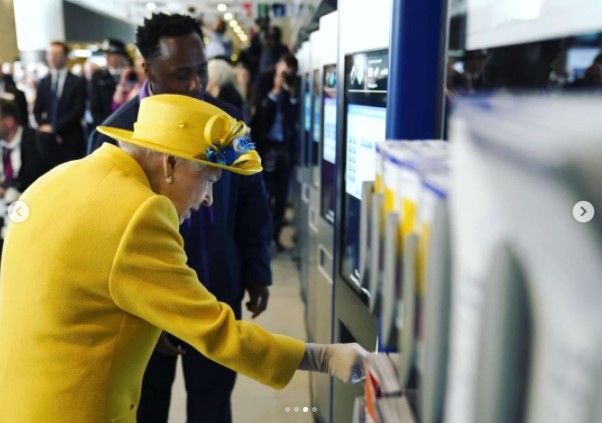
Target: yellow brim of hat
(242,166)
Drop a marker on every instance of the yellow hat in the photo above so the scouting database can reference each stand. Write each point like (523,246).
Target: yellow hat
(191,129)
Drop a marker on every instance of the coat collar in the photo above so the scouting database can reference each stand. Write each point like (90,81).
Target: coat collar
(127,163)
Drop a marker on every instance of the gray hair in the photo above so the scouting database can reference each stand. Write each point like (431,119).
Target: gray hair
(220,72)
(139,152)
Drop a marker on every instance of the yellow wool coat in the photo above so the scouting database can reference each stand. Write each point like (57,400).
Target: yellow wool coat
(86,285)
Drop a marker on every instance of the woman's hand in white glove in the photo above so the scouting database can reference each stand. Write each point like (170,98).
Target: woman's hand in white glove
(344,361)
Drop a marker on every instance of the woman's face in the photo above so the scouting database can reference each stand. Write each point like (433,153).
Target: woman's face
(190,188)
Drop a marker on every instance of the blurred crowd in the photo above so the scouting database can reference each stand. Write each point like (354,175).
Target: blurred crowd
(62,100)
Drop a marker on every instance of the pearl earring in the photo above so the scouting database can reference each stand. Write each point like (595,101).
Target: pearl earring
(169,179)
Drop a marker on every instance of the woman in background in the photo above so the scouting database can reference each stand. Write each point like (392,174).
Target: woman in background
(221,82)
(129,84)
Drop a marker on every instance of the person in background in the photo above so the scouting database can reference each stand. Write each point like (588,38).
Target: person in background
(242,82)
(474,63)
(221,77)
(228,244)
(26,155)
(104,81)
(252,53)
(272,49)
(220,45)
(274,128)
(9,90)
(82,306)
(60,104)
(90,68)
(130,83)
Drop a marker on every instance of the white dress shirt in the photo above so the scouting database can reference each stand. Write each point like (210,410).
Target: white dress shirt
(62,76)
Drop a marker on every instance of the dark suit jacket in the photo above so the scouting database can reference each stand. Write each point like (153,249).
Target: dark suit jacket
(72,105)
(227,244)
(265,112)
(20,100)
(39,154)
(102,88)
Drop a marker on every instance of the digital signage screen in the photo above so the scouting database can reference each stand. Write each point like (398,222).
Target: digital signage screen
(329,143)
(305,147)
(366,77)
(317,108)
(316,127)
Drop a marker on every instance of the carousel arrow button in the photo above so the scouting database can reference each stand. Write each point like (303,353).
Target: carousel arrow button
(18,212)
(583,211)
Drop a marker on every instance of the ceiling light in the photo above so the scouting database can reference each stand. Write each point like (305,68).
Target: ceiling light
(151,6)
(222,7)
(228,16)
(81,53)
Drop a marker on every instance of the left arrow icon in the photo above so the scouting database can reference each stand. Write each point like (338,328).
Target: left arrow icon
(18,212)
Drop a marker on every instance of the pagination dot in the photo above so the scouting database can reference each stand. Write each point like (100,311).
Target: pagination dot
(305,409)
(287,409)
(314,409)
(296,409)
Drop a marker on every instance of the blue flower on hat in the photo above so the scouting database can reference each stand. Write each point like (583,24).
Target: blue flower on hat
(227,154)
(224,155)
(243,144)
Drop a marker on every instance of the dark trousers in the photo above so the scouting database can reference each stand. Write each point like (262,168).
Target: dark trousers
(208,387)
(276,163)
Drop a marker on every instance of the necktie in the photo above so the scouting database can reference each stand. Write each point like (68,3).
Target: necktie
(54,96)
(8,165)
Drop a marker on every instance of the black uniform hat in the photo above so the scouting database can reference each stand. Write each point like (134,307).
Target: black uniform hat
(113,46)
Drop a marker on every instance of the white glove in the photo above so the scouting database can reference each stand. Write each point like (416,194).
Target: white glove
(344,361)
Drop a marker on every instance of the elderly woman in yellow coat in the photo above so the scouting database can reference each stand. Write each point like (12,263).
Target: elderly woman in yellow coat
(98,269)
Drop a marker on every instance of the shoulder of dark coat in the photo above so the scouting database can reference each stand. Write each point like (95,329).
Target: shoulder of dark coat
(125,116)
(235,112)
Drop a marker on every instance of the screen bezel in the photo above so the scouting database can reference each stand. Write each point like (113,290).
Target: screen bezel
(347,276)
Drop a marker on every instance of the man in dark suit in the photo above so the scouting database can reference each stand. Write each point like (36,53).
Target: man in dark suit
(8,86)
(104,81)
(226,244)
(26,155)
(60,104)
(274,127)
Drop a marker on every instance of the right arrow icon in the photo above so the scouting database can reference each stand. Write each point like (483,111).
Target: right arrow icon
(583,211)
